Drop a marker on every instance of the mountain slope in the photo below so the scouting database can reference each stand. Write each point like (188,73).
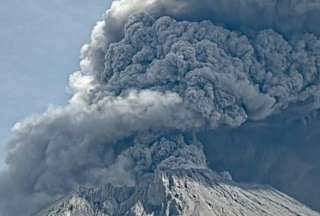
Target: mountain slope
(177,182)
(180,192)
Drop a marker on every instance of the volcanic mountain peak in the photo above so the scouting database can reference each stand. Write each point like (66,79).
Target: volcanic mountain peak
(180,185)
(183,192)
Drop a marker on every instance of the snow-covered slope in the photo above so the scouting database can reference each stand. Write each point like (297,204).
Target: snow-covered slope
(177,182)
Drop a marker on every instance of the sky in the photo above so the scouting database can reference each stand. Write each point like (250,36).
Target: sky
(40,42)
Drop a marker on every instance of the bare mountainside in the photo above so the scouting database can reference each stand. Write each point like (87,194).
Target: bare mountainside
(189,193)
(180,185)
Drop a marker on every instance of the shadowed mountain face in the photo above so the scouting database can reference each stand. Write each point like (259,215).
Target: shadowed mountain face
(278,152)
(245,99)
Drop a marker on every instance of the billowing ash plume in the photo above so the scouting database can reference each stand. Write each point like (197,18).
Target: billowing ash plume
(159,67)
(223,76)
(65,147)
(285,16)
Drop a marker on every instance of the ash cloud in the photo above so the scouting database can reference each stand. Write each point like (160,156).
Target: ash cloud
(52,153)
(224,76)
(228,78)
(287,17)
(158,67)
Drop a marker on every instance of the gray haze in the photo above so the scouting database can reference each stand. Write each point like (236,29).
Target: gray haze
(39,47)
(154,68)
